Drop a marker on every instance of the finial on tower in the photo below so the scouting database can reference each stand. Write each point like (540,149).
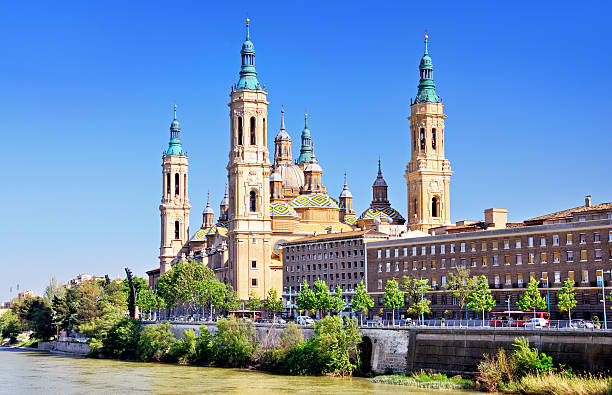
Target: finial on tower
(379,170)
(247,27)
(426,37)
(306,120)
(175,111)
(282,117)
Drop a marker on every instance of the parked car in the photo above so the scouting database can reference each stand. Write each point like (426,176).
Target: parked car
(580,323)
(304,320)
(536,323)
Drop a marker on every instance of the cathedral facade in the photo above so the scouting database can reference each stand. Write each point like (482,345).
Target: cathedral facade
(268,203)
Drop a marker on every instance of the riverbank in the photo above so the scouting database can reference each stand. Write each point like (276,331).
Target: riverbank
(435,381)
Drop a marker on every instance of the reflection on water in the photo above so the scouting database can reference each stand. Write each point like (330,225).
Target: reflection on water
(39,372)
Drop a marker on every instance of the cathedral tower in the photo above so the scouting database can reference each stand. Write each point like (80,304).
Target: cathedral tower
(174,208)
(306,148)
(379,191)
(428,172)
(346,202)
(249,228)
(282,144)
(208,215)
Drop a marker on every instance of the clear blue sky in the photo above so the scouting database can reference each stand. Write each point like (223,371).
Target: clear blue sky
(87,90)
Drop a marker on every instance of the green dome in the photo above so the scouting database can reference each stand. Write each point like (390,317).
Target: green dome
(426,63)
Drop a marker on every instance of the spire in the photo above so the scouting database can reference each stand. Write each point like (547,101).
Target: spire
(380,181)
(208,209)
(175,147)
(427,88)
(345,190)
(248,75)
(306,149)
(282,118)
(225,201)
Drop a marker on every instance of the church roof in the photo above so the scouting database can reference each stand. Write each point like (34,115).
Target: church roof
(282,210)
(201,234)
(351,220)
(382,213)
(314,200)
(293,176)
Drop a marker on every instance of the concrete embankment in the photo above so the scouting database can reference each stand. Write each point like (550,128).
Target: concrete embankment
(65,347)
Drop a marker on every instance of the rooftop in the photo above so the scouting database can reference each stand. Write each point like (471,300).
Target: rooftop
(327,236)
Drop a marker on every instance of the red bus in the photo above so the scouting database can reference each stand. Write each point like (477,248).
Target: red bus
(515,318)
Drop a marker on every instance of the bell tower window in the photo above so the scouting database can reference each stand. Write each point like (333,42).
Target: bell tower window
(168,184)
(239,130)
(434,207)
(253,201)
(252,131)
(176,184)
(433,138)
(177,228)
(422,138)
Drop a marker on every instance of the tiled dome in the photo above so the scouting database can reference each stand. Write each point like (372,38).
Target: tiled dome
(314,200)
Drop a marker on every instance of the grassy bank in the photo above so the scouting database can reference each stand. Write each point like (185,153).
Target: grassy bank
(561,385)
(424,380)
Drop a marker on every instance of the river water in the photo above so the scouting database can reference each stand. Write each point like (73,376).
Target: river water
(31,372)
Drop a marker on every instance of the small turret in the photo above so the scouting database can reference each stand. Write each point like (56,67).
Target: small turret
(175,147)
(306,148)
(379,191)
(346,201)
(427,88)
(224,207)
(282,144)
(248,75)
(208,215)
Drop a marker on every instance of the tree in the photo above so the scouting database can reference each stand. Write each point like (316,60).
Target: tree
(532,299)
(460,286)
(112,307)
(254,303)
(336,343)
(306,299)
(361,301)
(335,302)
(321,292)
(415,290)
(567,298)
(65,309)
(230,300)
(147,300)
(212,292)
(480,298)
(10,326)
(273,303)
(394,298)
(36,314)
(53,290)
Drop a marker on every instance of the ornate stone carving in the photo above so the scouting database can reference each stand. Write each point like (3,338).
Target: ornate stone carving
(434,187)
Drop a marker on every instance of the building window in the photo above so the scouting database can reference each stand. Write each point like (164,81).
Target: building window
(433,138)
(495,244)
(506,244)
(555,240)
(484,261)
(581,219)
(405,251)
(598,254)
(473,262)
(443,264)
(542,241)
(508,279)
(253,201)
(177,228)
(585,276)
(531,260)
(583,255)
(557,277)
(596,237)
(495,260)
(433,263)
(517,243)
(387,253)
(570,256)
(530,241)
(253,131)
(167,183)
(519,279)
(423,265)
(414,265)
(239,130)
(519,259)
(414,251)
(556,257)
(452,263)
(422,139)
(380,283)
(379,254)
(462,247)
(380,268)
(610,235)
(484,246)
(388,266)
(254,282)
(396,252)
(543,257)
(405,266)
(177,188)
(582,238)
(433,250)
(506,259)
(253,264)
(423,250)
(443,246)
(396,267)
(443,279)
(473,246)
(434,207)
(570,239)
(452,248)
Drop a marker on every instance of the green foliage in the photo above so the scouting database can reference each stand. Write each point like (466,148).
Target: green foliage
(414,292)
(566,298)
(306,299)
(460,285)
(139,284)
(273,303)
(361,301)
(290,337)
(431,381)
(147,300)
(254,302)
(234,343)
(155,343)
(109,310)
(230,300)
(54,290)
(480,299)
(122,339)
(35,314)
(532,299)
(65,309)
(303,360)
(204,351)
(88,295)
(337,346)
(528,360)
(335,302)
(394,298)
(321,293)
(10,326)
(184,351)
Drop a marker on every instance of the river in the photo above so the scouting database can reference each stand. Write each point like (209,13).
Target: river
(32,372)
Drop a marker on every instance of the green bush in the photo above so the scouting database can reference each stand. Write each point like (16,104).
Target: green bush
(203,348)
(184,350)
(10,326)
(337,345)
(529,360)
(234,343)
(302,360)
(122,339)
(155,343)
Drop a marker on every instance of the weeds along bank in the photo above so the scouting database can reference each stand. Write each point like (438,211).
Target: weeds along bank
(333,349)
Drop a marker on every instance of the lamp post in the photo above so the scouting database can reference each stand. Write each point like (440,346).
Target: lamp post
(547,295)
(603,296)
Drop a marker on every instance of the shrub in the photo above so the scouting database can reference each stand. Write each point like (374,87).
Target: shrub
(290,337)
(122,339)
(203,347)
(10,326)
(337,346)
(234,343)
(184,350)
(495,371)
(303,360)
(528,360)
(155,343)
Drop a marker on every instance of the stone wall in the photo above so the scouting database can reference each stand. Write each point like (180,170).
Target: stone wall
(67,347)
(459,350)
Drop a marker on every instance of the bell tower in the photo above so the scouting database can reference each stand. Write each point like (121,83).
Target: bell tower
(428,172)
(249,228)
(174,208)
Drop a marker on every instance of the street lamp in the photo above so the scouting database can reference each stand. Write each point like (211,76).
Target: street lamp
(603,296)
(547,295)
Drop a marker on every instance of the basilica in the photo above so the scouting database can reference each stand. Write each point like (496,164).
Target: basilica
(268,203)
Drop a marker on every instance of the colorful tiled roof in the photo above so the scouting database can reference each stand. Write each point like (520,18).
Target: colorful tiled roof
(314,200)
(381,213)
(201,234)
(282,210)
(351,220)
(568,213)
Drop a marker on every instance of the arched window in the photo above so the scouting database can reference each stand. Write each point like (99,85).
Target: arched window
(185,185)
(434,207)
(168,184)
(252,131)
(253,201)
(422,138)
(415,207)
(239,130)
(433,138)
(414,140)
(265,132)
(176,184)
(177,228)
